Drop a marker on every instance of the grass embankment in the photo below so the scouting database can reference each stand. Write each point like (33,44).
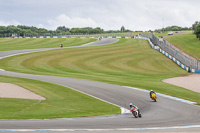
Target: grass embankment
(160,34)
(60,102)
(7,44)
(187,42)
(128,62)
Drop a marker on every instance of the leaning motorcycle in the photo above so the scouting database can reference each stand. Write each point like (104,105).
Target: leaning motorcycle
(153,97)
(136,113)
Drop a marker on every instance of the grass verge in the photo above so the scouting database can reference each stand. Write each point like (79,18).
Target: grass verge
(161,34)
(187,42)
(7,44)
(60,102)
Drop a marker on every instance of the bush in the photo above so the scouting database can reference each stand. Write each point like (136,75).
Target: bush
(196,28)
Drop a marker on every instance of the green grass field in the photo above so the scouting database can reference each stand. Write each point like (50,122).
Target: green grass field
(187,42)
(60,102)
(7,44)
(160,34)
(129,62)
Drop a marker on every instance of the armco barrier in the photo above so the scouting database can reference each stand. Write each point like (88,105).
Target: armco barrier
(169,56)
(184,58)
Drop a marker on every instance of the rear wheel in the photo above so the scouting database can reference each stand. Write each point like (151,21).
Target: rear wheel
(134,114)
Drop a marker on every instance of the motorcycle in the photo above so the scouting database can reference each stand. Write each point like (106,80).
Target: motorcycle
(153,96)
(136,112)
(100,38)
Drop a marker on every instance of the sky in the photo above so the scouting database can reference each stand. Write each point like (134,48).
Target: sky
(108,14)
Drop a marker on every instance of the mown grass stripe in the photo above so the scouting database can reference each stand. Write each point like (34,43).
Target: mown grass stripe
(129,62)
(7,44)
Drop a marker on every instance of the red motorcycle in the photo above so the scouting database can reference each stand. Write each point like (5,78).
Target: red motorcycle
(136,112)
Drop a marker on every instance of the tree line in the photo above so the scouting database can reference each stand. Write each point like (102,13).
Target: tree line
(173,28)
(22,30)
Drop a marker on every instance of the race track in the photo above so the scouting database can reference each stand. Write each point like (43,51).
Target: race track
(164,113)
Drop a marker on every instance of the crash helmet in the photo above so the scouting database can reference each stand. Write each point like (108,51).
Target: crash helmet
(151,90)
(131,105)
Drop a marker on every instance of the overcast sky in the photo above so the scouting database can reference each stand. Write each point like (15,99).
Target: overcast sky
(107,14)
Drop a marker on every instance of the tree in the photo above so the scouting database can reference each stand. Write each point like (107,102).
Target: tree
(62,29)
(196,27)
(197,32)
(123,29)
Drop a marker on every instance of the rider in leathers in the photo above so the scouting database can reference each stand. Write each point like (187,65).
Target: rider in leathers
(151,92)
(135,107)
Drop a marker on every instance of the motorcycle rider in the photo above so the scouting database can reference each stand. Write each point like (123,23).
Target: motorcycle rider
(134,106)
(151,92)
(131,105)
(100,38)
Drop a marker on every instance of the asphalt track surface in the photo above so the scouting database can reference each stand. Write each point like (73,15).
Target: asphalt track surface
(164,113)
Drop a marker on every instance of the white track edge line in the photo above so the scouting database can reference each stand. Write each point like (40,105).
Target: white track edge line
(117,129)
(123,110)
(163,95)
